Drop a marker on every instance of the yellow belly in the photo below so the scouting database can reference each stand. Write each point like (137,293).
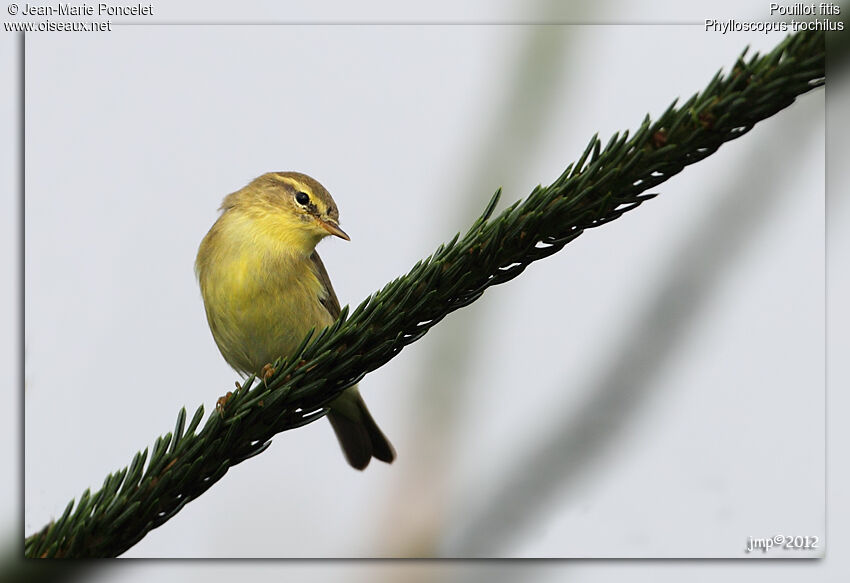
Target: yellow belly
(260,306)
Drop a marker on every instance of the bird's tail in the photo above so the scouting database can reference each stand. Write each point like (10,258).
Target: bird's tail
(357,432)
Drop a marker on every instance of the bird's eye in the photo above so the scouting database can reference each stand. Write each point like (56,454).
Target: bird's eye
(302,198)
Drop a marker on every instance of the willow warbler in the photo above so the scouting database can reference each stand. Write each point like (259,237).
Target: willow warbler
(265,287)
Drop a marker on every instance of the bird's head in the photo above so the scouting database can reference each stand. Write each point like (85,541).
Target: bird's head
(290,206)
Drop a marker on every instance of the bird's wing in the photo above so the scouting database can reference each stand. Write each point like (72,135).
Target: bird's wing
(330,302)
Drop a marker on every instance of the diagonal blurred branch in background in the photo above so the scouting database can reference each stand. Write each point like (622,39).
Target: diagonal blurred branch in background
(625,377)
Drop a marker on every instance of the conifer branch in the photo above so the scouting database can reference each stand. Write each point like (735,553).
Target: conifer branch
(602,185)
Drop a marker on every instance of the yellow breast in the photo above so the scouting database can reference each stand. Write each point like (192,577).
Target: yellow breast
(261,293)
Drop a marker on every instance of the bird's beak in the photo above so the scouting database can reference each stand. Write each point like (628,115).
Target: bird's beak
(332,227)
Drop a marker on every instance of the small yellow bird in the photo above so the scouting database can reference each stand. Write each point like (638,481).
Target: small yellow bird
(265,287)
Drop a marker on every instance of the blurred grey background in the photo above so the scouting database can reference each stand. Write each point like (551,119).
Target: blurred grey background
(654,390)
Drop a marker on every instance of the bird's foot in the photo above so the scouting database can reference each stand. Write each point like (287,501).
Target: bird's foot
(222,402)
(267,372)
